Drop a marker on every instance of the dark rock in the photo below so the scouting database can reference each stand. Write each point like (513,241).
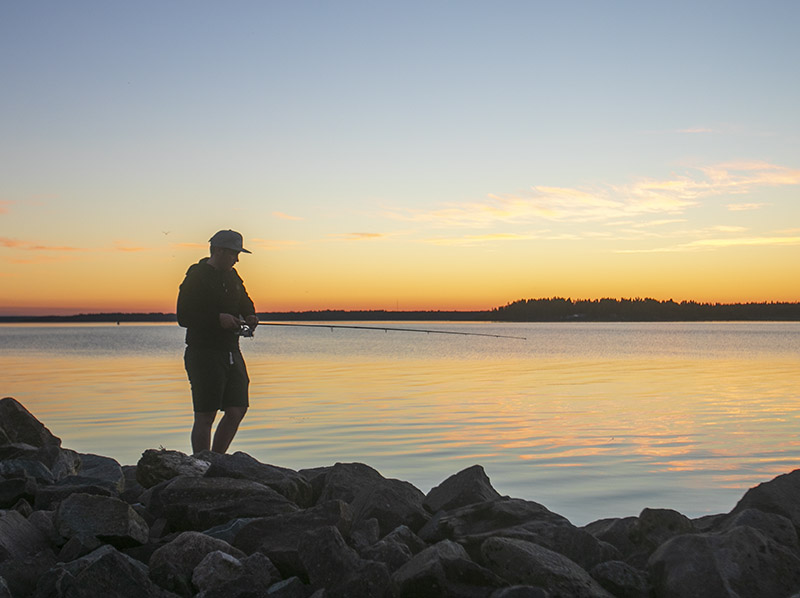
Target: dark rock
(19,425)
(104,572)
(779,496)
(216,569)
(467,487)
(403,535)
(392,554)
(739,562)
(22,574)
(444,569)
(220,575)
(392,503)
(521,562)
(26,468)
(101,469)
(334,566)
(157,466)
(772,525)
(132,490)
(616,531)
(49,497)
(78,546)
(23,507)
(621,579)
(520,592)
(109,519)
(365,533)
(240,465)
(651,529)
(18,537)
(278,537)
(13,489)
(342,481)
(193,503)
(44,521)
(172,566)
(288,588)
(227,531)
(5,592)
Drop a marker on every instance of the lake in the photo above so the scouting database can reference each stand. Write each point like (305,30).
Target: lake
(592,420)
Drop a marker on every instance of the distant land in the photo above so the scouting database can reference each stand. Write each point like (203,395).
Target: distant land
(555,309)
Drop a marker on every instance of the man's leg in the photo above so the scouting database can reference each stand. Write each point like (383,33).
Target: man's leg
(227,428)
(201,430)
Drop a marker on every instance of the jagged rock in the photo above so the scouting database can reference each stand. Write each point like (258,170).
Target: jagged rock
(157,466)
(739,562)
(253,581)
(104,572)
(14,489)
(5,592)
(227,531)
(240,465)
(403,535)
(49,497)
(615,531)
(20,426)
(193,503)
(288,588)
(18,537)
(342,481)
(44,521)
(278,537)
(365,533)
(216,569)
(521,562)
(621,579)
(78,546)
(26,468)
(467,487)
(172,566)
(392,503)
(392,554)
(22,574)
(334,566)
(109,519)
(101,469)
(772,525)
(520,592)
(444,569)
(779,496)
(132,490)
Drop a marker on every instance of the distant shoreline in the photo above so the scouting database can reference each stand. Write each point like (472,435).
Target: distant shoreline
(527,310)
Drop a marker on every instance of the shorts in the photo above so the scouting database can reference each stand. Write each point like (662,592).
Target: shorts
(218,379)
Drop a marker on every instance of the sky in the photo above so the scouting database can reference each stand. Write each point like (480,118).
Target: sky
(399,155)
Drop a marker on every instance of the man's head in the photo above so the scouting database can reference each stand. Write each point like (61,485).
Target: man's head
(225,248)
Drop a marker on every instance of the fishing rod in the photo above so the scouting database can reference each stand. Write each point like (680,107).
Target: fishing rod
(247,331)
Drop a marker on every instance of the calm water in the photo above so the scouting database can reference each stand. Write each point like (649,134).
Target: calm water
(591,420)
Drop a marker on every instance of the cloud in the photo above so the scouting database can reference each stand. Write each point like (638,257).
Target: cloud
(28,246)
(284,216)
(481,239)
(358,236)
(721,243)
(273,244)
(4,205)
(743,207)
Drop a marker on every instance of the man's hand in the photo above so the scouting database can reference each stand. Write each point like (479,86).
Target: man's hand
(251,321)
(229,322)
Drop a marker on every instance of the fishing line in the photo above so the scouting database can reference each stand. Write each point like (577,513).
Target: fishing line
(249,332)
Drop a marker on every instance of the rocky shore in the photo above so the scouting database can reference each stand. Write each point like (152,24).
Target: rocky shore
(227,526)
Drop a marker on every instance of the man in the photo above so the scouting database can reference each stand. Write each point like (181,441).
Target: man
(213,306)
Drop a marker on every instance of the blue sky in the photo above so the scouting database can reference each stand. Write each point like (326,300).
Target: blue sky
(418,145)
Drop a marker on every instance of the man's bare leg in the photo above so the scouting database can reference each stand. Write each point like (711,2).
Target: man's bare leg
(201,430)
(227,428)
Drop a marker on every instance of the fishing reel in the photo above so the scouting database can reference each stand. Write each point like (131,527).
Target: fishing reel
(245,331)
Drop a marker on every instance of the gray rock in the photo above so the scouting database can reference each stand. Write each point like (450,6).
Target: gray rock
(403,535)
(173,565)
(44,521)
(49,497)
(781,496)
(157,466)
(26,468)
(772,525)
(78,546)
(616,531)
(392,554)
(240,465)
(193,503)
(132,490)
(521,562)
(288,588)
(19,425)
(104,572)
(216,569)
(621,579)
(334,566)
(105,470)
(739,562)
(342,481)
(18,537)
(520,592)
(14,489)
(5,592)
(392,503)
(444,569)
(23,574)
(109,519)
(467,487)
(278,537)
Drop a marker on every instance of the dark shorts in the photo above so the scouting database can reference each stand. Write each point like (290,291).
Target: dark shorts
(218,378)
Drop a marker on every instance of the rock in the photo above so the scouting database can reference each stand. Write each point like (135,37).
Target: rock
(772,525)
(616,531)
(464,488)
(392,554)
(739,562)
(26,468)
(392,503)
(78,546)
(621,579)
(403,535)
(157,466)
(254,580)
(109,519)
(14,489)
(521,562)
(520,592)
(20,426)
(4,591)
(23,574)
(342,481)
(240,465)
(18,537)
(193,503)
(216,569)
(101,469)
(288,588)
(104,572)
(278,537)
(44,521)
(334,566)
(781,496)
(49,497)
(444,569)
(133,490)
(173,565)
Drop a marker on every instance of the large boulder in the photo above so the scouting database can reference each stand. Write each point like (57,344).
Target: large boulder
(780,495)
(101,470)
(444,569)
(18,537)
(23,574)
(46,464)
(108,519)
(279,536)
(193,503)
(739,562)
(392,503)
(173,565)
(157,466)
(221,575)
(621,579)
(342,481)
(240,465)
(521,562)
(18,425)
(467,487)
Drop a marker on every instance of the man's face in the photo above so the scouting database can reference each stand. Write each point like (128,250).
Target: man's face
(227,258)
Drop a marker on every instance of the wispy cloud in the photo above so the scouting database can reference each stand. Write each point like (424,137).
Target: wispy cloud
(720,243)
(30,246)
(273,244)
(283,216)
(5,204)
(468,240)
(744,207)
(358,236)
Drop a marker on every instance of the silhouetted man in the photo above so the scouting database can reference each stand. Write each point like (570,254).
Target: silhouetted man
(213,305)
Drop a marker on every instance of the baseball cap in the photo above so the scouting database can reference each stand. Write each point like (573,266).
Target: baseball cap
(229,239)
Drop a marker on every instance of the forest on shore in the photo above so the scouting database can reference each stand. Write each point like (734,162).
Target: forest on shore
(555,309)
